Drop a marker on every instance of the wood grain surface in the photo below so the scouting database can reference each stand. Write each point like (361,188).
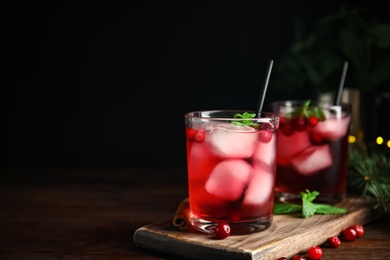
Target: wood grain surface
(289,235)
(93,213)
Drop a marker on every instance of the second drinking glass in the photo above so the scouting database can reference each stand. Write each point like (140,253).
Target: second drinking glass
(312,150)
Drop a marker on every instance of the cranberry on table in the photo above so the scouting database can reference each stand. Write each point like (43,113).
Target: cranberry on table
(299,257)
(314,252)
(349,234)
(222,230)
(334,242)
(359,230)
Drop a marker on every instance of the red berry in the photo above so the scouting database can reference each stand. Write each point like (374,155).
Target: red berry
(190,134)
(265,136)
(199,137)
(287,129)
(312,121)
(299,257)
(222,230)
(316,138)
(359,230)
(282,258)
(349,234)
(193,135)
(282,121)
(314,252)
(299,124)
(334,242)
(266,126)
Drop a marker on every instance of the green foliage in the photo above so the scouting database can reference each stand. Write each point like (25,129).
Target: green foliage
(243,122)
(308,207)
(315,58)
(306,111)
(369,175)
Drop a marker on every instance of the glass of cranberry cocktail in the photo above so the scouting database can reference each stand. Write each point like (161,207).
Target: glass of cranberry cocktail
(231,163)
(312,150)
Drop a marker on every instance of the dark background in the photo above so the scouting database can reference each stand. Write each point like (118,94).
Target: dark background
(108,84)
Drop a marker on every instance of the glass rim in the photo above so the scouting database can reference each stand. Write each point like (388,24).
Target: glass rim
(315,103)
(198,114)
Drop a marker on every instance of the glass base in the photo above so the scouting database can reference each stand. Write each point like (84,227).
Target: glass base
(236,228)
(296,198)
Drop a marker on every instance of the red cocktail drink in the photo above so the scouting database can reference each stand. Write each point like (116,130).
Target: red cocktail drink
(231,169)
(312,150)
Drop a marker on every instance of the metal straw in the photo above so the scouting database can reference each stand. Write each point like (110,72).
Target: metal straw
(262,97)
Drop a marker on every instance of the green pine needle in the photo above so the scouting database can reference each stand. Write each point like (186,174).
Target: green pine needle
(369,175)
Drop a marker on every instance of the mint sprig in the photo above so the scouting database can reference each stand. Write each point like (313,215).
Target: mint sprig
(306,111)
(308,207)
(243,122)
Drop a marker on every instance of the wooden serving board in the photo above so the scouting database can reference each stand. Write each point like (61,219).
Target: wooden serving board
(288,236)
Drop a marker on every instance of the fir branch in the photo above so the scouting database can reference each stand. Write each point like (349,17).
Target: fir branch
(369,174)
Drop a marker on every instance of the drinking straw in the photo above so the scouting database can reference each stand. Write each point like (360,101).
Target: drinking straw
(341,86)
(260,104)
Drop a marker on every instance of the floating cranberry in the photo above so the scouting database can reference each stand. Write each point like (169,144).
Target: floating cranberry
(265,136)
(190,134)
(312,121)
(282,121)
(193,135)
(316,138)
(199,137)
(359,230)
(314,252)
(349,234)
(299,124)
(287,130)
(334,242)
(266,126)
(222,230)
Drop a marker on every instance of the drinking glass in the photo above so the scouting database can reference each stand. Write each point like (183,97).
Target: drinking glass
(312,150)
(231,164)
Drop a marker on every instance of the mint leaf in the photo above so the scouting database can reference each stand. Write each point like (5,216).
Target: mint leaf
(316,112)
(307,111)
(245,115)
(243,122)
(309,196)
(308,207)
(286,208)
(328,209)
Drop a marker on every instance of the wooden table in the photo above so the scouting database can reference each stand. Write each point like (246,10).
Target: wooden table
(93,214)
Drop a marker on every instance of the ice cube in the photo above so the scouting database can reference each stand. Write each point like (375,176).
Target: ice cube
(266,152)
(333,128)
(313,159)
(199,161)
(289,146)
(260,187)
(230,141)
(229,179)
